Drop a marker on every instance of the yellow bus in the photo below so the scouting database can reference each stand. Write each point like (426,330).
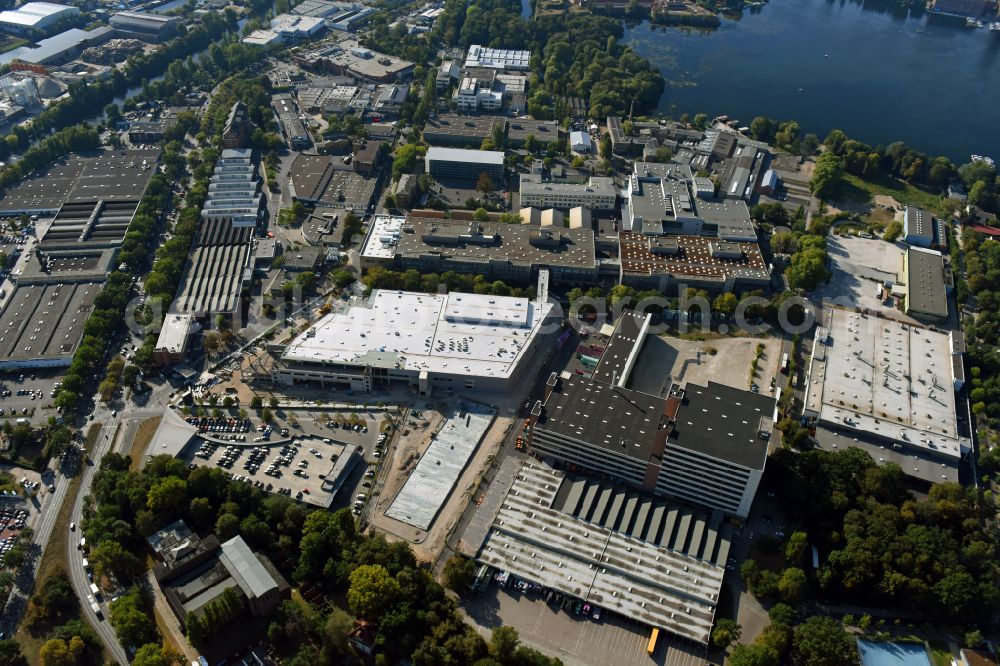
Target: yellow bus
(651,647)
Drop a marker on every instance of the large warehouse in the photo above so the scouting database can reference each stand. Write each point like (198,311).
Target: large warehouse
(35,16)
(890,389)
(431,342)
(652,561)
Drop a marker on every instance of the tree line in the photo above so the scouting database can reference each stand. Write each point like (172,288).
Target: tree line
(879,545)
(378,277)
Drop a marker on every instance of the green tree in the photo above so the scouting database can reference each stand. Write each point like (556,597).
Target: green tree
(459,573)
(793,585)
(754,655)
(725,303)
(150,654)
(827,173)
(822,641)
(167,496)
(227,526)
(797,547)
(10,653)
(893,231)
(605,146)
(129,616)
(485,184)
(372,591)
(504,643)
(725,633)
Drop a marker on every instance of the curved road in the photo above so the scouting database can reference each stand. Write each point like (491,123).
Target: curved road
(125,420)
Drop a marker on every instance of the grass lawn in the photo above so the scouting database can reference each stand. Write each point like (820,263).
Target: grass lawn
(7,482)
(860,190)
(54,557)
(8,43)
(143,435)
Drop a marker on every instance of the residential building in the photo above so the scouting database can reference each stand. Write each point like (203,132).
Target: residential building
(706,445)
(366,157)
(456,163)
(598,193)
(926,284)
(352,59)
(545,132)
(236,129)
(474,95)
(666,199)
(666,263)
(171,345)
(448,71)
(234,190)
(193,572)
(290,121)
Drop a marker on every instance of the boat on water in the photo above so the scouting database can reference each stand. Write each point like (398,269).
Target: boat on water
(973,23)
(995,26)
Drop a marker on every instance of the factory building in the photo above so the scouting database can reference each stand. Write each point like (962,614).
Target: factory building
(890,389)
(462,164)
(705,445)
(451,343)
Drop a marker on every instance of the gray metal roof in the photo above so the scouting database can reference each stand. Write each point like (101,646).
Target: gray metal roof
(246,569)
(539,533)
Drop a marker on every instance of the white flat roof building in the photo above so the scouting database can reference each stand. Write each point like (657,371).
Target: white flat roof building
(483,56)
(453,340)
(35,15)
(886,381)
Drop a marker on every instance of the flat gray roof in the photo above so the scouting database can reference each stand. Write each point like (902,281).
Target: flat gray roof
(45,321)
(100,175)
(431,483)
(481,243)
(620,348)
(886,379)
(621,420)
(658,564)
(243,565)
(436,153)
(724,423)
(925,287)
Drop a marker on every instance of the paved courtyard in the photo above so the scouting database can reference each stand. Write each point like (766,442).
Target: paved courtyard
(577,640)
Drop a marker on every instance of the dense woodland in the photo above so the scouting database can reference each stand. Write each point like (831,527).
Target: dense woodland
(878,545)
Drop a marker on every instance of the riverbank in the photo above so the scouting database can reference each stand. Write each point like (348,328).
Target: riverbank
(826,65)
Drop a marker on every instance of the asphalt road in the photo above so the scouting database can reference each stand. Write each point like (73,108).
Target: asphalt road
(116,435)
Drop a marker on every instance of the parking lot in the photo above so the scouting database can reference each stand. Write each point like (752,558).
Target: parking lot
(28,395)
(859,265)
(577,639)
(297,456)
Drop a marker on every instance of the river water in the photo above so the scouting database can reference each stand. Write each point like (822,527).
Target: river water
(876,72)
